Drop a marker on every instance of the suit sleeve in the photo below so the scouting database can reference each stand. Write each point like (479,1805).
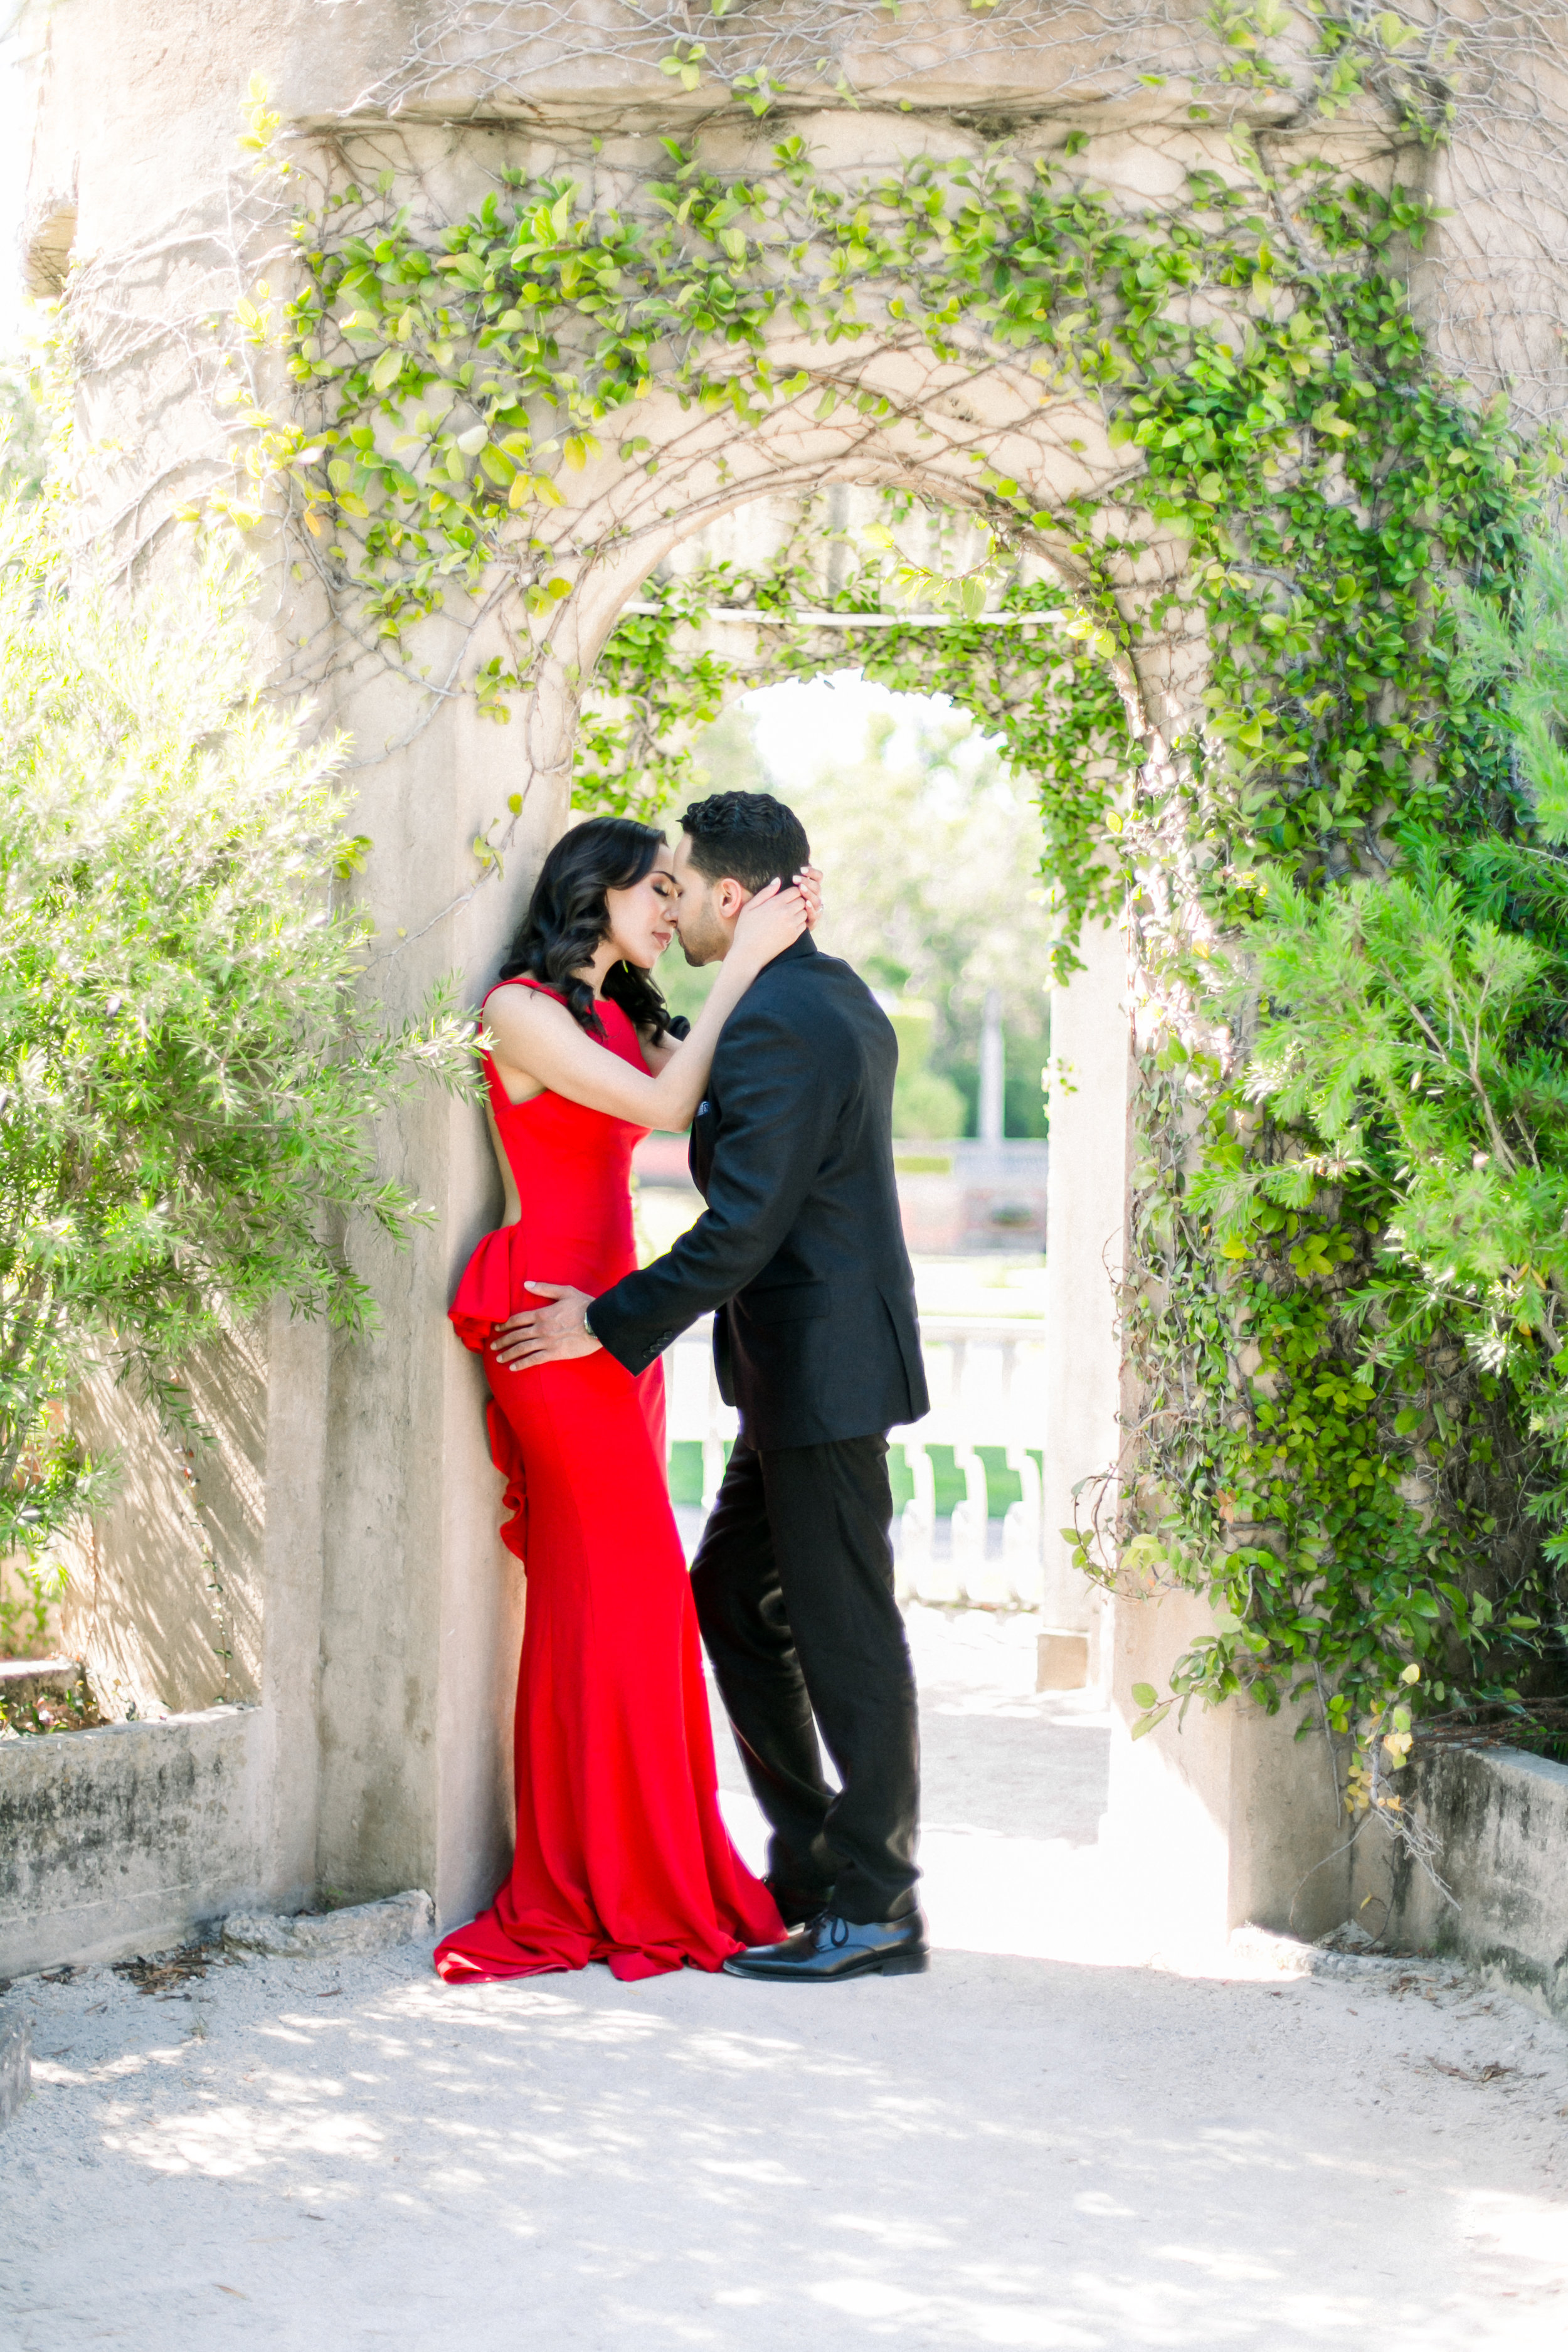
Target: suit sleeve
(781,1105)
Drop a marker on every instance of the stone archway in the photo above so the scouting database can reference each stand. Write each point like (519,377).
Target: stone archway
(710,469)
(372,1759)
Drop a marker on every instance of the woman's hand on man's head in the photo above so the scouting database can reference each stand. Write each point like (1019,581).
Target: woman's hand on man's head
(772,919)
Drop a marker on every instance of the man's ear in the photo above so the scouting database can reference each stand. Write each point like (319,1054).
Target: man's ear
(728,898)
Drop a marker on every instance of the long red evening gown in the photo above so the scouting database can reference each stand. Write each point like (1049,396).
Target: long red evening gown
(622,1854)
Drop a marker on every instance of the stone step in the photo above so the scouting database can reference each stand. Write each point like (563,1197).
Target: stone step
(330,1934)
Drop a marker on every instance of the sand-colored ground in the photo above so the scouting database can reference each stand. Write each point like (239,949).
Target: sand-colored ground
(1055,2140)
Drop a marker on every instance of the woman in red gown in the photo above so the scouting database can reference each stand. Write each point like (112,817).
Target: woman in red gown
(621,1854)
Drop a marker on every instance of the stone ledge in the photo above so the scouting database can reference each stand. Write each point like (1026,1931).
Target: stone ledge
(332,1935)
(16,2065)
(1499,1818)
(35,1678)
(1061,1661)
(1497,1822)
(125,1838)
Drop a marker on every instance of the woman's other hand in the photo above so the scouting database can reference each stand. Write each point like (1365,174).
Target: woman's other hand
(808,882)
(769,922)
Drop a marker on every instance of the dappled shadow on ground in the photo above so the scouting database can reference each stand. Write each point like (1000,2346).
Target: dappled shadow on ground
(1006,2152)
(1038,2144)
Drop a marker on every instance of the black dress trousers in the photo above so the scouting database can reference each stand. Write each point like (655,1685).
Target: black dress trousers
(794,1588)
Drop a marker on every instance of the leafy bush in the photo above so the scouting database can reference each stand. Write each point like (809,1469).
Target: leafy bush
(1394,1215)
(187,1080)
(30,1592)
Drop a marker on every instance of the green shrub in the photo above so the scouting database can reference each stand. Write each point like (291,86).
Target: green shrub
(187,1081)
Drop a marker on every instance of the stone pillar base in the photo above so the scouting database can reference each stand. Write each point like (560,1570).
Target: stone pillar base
(1061,1661)
(1221,1817)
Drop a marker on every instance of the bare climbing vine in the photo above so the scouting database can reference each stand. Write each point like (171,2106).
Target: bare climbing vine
(1483,81)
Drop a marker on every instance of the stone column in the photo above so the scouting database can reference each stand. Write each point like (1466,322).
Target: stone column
(1224,1817)
(421,1605)
(1090,1043)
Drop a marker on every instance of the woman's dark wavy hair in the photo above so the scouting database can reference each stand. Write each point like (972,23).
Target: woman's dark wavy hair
(567,920)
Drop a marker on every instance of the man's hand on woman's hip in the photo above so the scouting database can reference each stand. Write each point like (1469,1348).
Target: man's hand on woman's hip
(546,1335)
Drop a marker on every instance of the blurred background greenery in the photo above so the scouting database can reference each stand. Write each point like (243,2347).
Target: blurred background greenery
(931,853)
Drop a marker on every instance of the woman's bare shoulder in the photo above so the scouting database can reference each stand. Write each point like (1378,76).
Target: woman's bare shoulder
(533,992)
(513,998)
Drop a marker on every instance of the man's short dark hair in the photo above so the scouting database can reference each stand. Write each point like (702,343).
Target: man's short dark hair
(747,837)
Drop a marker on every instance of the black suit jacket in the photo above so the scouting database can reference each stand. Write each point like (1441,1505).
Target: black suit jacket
(800,1252)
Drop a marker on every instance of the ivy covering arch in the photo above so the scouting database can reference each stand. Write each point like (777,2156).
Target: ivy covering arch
(1349,1236)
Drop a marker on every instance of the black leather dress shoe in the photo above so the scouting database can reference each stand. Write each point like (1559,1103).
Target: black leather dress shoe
(797,1905)
(831,1948)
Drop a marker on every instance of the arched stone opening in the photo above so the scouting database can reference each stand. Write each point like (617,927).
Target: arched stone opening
(621,505)
(369,1392)
(1090,1008)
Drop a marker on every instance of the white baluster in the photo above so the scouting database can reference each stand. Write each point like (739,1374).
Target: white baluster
(940,1582)
(687,1374)
(916,1528)
(968,1522)
(1023,1547)
(909,1535)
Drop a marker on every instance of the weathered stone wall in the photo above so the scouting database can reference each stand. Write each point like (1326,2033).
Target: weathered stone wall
(165,1600)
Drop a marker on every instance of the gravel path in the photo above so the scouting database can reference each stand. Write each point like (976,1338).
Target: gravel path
(1051,2141)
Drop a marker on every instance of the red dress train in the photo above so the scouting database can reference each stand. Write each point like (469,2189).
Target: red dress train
(622,1854)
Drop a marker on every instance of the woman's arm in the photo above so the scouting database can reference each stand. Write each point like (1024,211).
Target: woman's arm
(538,1041)
(781,1106)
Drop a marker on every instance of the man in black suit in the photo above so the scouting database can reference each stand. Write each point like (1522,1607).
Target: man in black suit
(800,1255)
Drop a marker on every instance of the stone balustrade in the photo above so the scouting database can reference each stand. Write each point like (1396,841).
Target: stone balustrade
(983,1544)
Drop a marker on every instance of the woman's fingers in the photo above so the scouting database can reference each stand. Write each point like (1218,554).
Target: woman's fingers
(771,921)
(808,882)
(776,904)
